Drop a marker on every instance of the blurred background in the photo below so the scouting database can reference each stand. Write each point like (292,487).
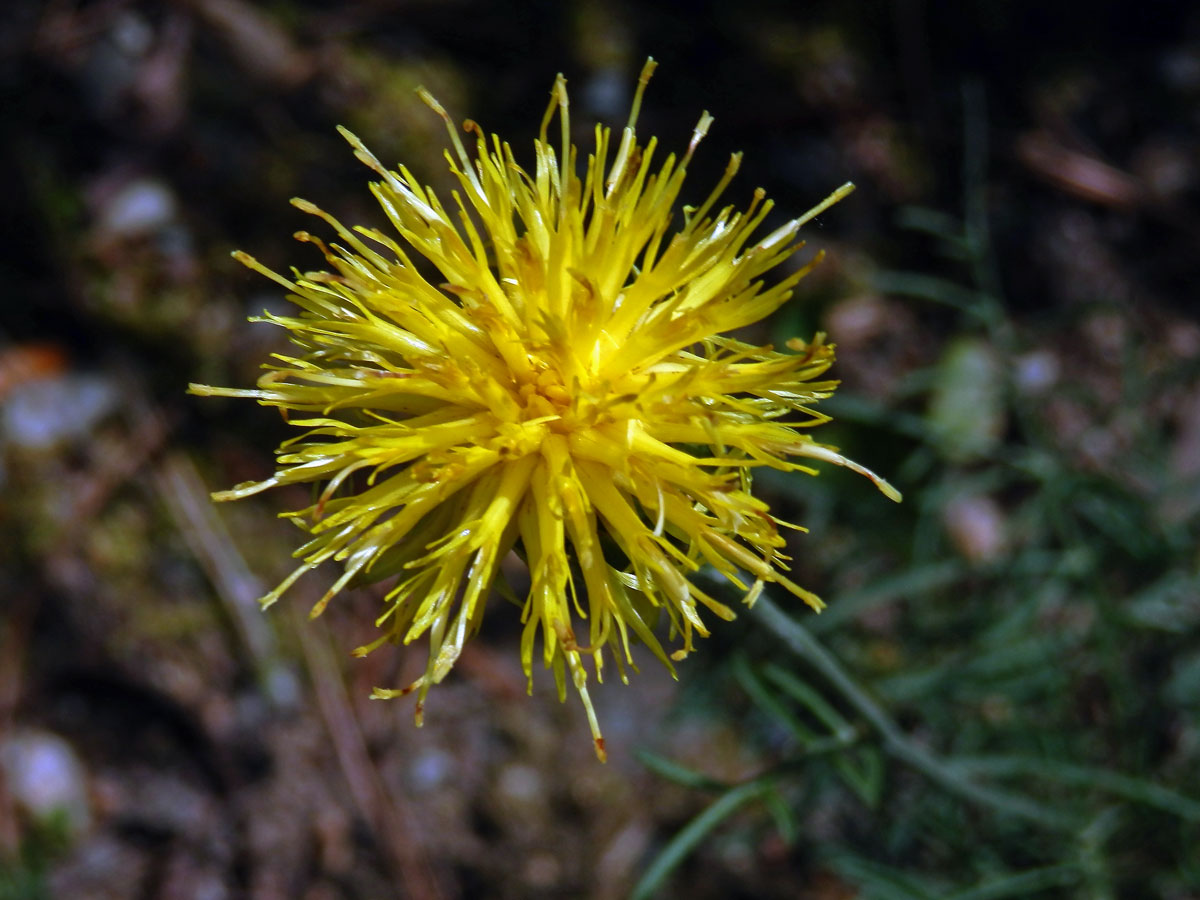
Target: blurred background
(1000,701)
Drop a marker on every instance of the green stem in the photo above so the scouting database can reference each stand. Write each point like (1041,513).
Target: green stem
(693,833)
(895,742)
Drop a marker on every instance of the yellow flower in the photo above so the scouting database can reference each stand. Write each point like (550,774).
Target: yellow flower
(559,390)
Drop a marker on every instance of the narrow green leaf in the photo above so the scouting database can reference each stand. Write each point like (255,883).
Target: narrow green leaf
(690,836)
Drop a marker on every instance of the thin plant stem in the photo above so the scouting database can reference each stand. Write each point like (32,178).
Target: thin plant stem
(895,742)
(694,832)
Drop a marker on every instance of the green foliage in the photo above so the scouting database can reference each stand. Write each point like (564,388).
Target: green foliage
(1046,681)
(23,877)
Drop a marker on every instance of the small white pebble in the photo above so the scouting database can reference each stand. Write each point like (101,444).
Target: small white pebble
(520,783)
(41,414)
(1037,371)
(141,207)
(431,769)
(46,778)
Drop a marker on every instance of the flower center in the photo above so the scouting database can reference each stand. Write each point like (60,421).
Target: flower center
(545,396)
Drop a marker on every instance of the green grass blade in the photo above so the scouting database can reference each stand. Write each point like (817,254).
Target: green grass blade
(690,836)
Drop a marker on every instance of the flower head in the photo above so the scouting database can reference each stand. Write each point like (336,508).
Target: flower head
(539,368)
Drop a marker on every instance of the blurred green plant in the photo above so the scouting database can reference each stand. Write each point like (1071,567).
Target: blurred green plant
(1050,719)
(23,875)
